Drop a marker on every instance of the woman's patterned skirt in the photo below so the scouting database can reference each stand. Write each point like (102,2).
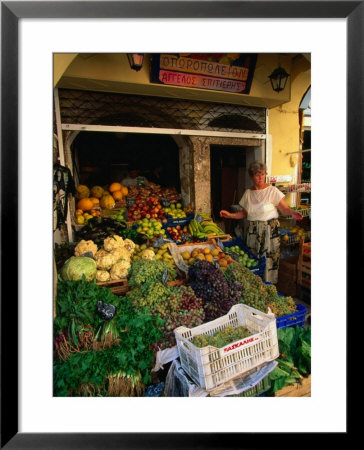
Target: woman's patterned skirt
(263,239)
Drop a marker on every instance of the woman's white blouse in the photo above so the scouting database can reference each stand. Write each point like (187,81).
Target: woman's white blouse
(261,204)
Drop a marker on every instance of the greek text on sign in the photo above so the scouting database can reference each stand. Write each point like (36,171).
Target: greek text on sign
(214,69)
(241,343)
(199,81)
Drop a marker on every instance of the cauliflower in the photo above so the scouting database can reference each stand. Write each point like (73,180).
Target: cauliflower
(147,254)
(112,242)
(105,262)
(102,275)
(84,247)
(120,253)
(119,270)
(100,253)
(129,245)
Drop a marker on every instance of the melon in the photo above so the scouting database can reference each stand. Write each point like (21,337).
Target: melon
(82,191)
(107,201)
(97,191)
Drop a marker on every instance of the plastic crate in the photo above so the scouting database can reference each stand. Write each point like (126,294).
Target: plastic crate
(171,222)
(210,367)
(257,270)
(290,320)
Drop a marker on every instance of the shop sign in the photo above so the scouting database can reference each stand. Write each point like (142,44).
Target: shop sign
(229,72)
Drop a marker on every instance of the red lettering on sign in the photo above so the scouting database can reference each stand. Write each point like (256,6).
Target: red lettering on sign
(239,344)
(200,81)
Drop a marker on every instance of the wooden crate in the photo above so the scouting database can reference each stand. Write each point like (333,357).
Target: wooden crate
(296,389)
(222,237)
(287,276)
(304,264)
(117,287)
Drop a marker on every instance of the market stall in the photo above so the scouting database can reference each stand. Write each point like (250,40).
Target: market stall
(150,290)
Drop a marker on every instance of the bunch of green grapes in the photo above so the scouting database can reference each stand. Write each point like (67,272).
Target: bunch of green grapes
(222,337)
(147,270)
(176,306)
(282,306)
(149,295)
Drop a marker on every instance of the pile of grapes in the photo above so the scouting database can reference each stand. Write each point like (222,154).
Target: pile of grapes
(146,270)
(258,295)
(222,337)
(177,306)
(209,283)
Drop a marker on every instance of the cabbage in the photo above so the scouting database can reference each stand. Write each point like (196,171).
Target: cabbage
(76,266)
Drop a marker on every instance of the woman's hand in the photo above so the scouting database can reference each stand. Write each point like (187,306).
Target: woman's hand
(297,215)
(225,214)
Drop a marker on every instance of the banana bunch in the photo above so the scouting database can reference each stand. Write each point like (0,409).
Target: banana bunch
(196,230)
(211,229)
(205,216)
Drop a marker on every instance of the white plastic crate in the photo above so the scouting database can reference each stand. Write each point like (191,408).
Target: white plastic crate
(211,367)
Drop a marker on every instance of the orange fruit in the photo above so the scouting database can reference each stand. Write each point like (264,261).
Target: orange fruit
(117,195)
(85,204)
(124,190)
(115,187)
(95,201)
(223,262)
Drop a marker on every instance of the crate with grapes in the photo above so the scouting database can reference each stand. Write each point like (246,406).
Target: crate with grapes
(211,366)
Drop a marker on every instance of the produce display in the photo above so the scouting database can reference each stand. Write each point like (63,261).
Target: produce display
(206,254)
(179,233)
(257,294)
(175,211)
(176,305)
(151,228)
(239,255)
(221,337)
(110,262)
(217,293)
(150,189)
(85,365)
(106,344)
(149,208)
(292,233)
(294,362)
(90,201)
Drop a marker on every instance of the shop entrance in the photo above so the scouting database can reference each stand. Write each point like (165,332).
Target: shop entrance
(228,164)
(101,158)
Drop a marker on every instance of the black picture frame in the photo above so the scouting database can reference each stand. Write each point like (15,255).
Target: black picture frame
(11,12)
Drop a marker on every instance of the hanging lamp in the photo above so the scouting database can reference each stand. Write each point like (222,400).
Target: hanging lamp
(278,79)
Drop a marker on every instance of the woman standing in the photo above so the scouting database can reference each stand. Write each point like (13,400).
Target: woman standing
(260,204)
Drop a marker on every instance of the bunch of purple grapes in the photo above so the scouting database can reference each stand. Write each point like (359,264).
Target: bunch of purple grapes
(209,283)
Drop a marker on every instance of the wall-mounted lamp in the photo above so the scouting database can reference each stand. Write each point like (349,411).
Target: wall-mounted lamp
(136,60)
(278,79)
